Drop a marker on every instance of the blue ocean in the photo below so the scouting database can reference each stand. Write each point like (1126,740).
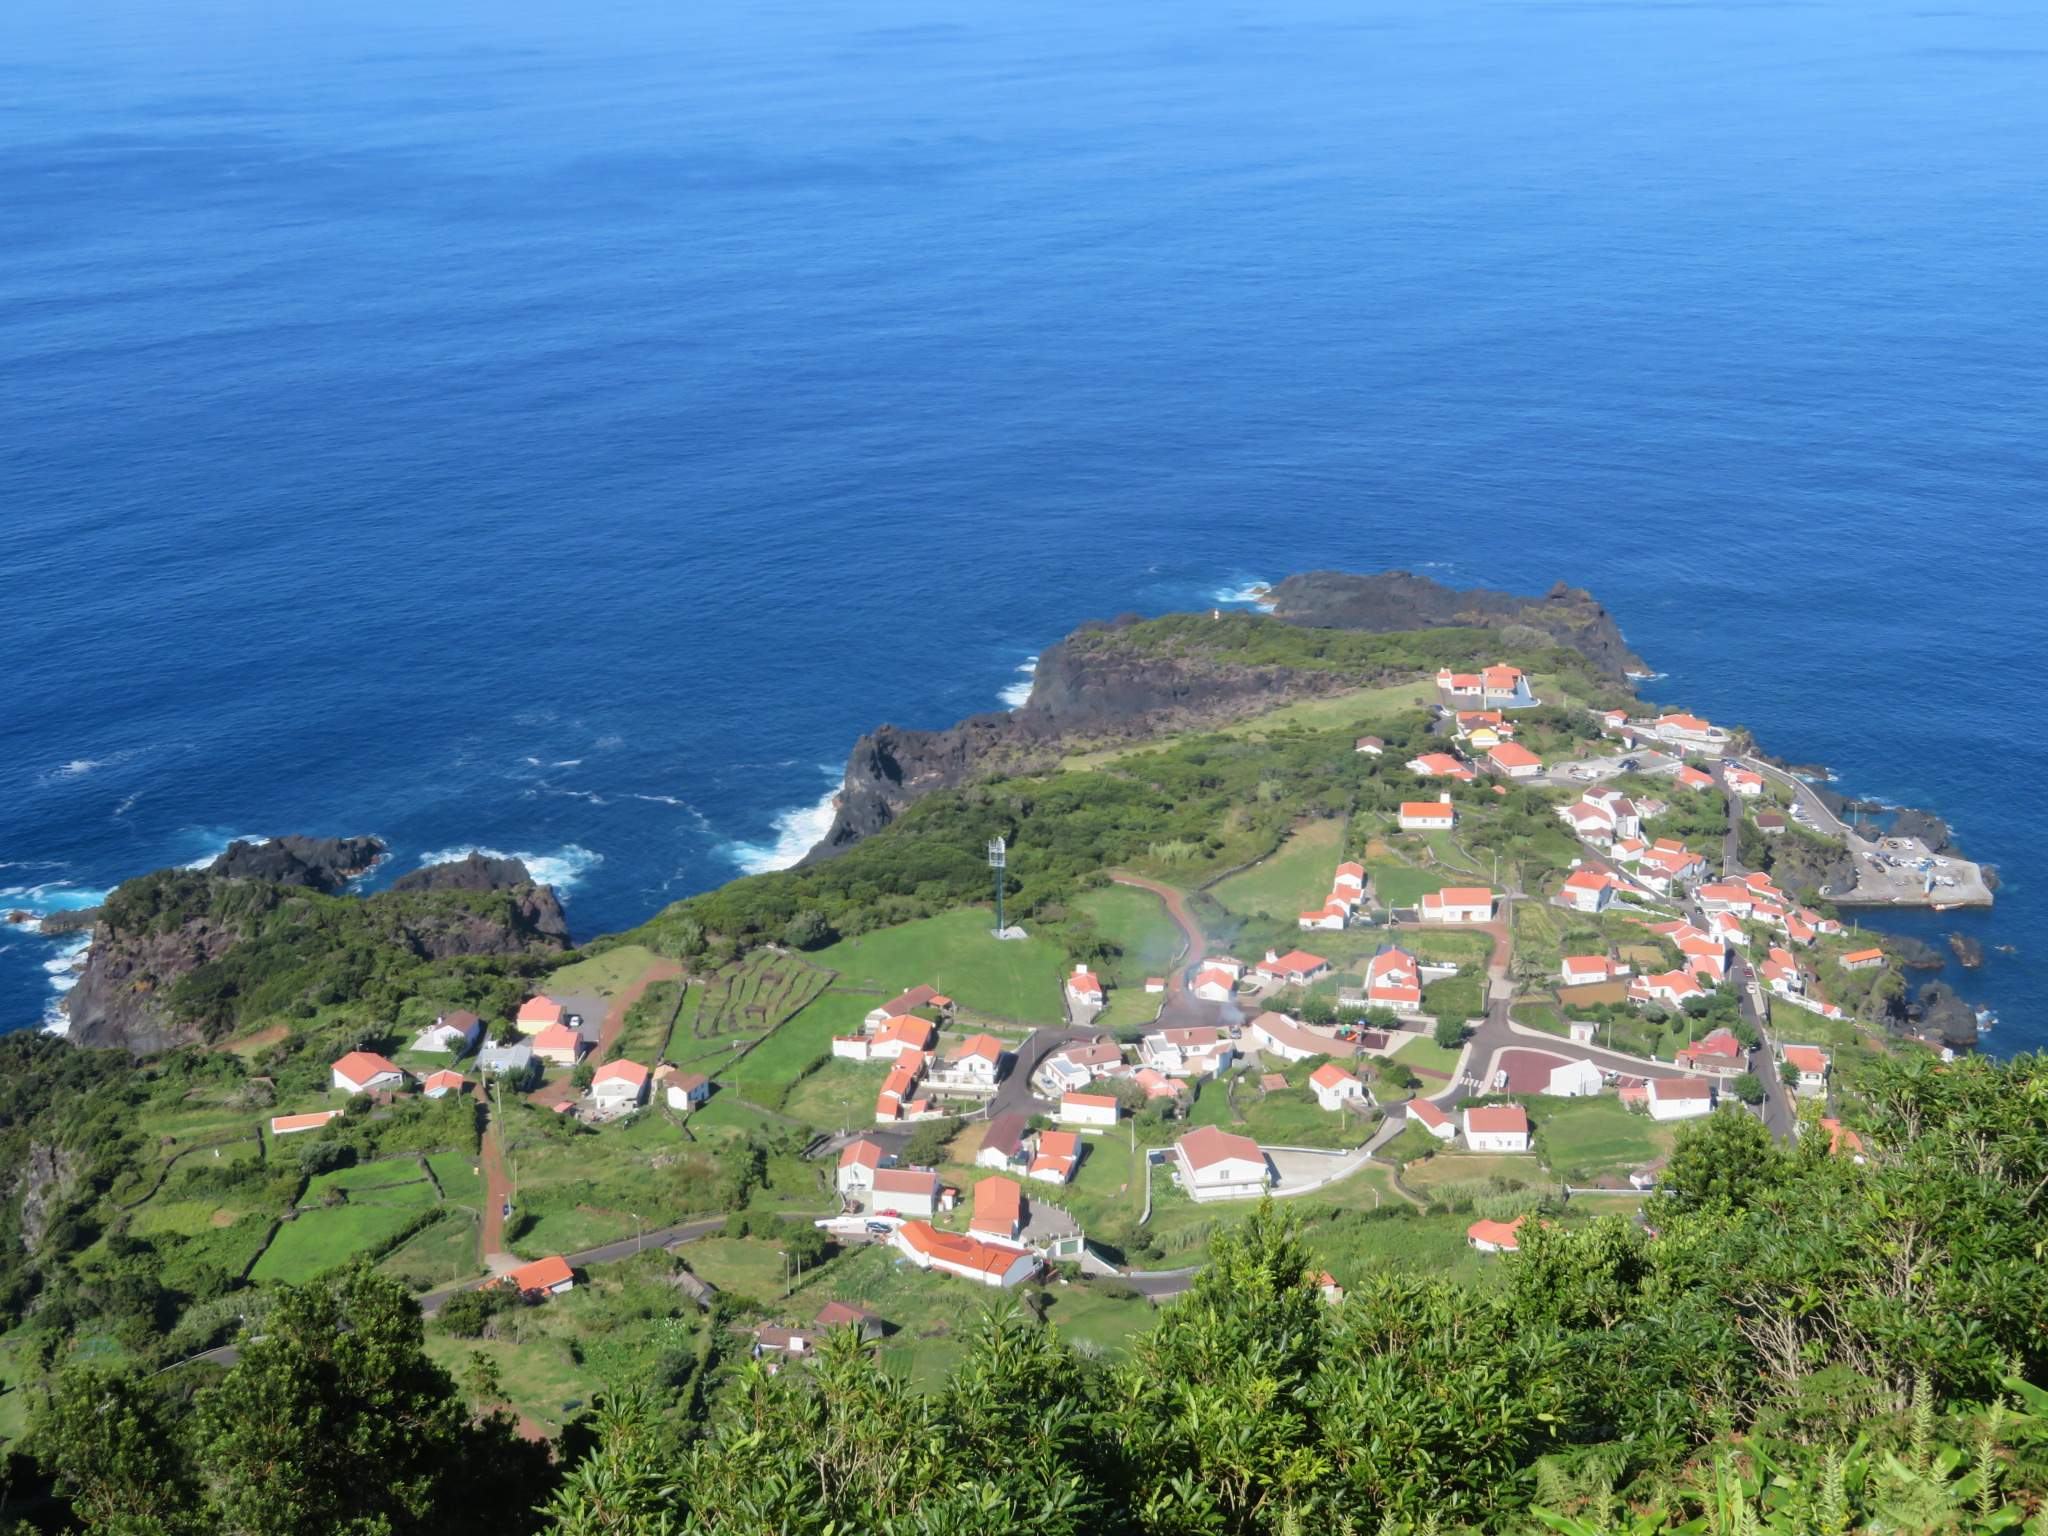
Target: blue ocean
(561,429)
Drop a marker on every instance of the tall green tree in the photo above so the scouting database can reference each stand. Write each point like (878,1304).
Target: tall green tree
(121,1454)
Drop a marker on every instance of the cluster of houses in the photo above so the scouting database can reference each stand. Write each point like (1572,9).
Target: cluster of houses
(1678,732)
(1495,687)
(1485,1127)
(1347,890)
(898,1033)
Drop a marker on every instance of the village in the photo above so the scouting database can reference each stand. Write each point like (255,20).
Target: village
(1441,1037)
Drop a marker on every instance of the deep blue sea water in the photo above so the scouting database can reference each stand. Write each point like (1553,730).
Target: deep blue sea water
(562,428)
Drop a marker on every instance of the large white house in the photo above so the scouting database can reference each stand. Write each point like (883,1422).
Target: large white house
(1497,1128)
(1393,981)
(906,1191)
(363,1071)
(619,1085)
(1589,890)
(1087,1109)
(1678,1098)
(1335,1087)
(858,1165)
(1458,904)
(1291,1041)
(1194,1052)
(985,1263)
(1428,815)
(1215,1165)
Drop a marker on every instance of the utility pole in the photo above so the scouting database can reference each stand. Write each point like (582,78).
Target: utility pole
(998,860)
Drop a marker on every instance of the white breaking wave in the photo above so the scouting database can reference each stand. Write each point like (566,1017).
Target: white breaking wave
(63,971)
(562,869)
(1252,592)
(797,830)
(1019,693)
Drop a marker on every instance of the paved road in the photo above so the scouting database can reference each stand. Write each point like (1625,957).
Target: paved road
(1779,1114)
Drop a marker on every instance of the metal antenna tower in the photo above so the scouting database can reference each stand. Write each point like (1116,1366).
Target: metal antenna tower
(998,860)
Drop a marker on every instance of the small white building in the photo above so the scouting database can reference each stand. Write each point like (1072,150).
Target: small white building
(1678,1098)
(1428,815)
(1215,1165)
(1810,1066)
(1335,1088)
(451,1034)
(1087,1109)
(438,1085)
(859,1162)
(1589,890)
(619,1085)
(1058,1155)
(1432,1119)
(1497,1128)
(1084,988)
(906,1191)
(1213,984)
(1575,1080)
(362,1071)
(688,1091)
(1201,1051)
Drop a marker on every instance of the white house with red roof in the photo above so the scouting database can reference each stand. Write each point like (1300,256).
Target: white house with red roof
(1589,890)
(1678,1098)
(438,1085)
(906,1191)
(1782,975)
(451,1034)
(1432,1119)
(1810,1065)
(1293,1041)
(544,1277)
(998,1209)
(1085,989)
(536,1014)
(1590,970)
(1718,1054)
(899,1099)
(686,1090)
(1295,968)
(1496,1236)
(1441,765)
(1215,1165)
(1497,1128)
(291,1125)
(1332,917)
(975,1063)
(1863,960)
(1671,989)
(1668,864)
(1392,980)
(363,1071)
(1743,782)
(1335,1088)
(1213,984)
(1691,733)
(1351,877)
(559,1045)
(1058,1155)
(1457,904)
(1495,687)
(1428,815)
(994,1264)
(1199,1051)
(909,1002)
(619,1085)
(1087,1109)
(1513,760)
(1690,777)
(859,1162)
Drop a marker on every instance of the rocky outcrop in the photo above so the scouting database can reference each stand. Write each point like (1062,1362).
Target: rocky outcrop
(1912,953)
(69,920)
(1397,600)
(41,1184)
(1938,1012)
(474,873)
(322,863)
(160,928)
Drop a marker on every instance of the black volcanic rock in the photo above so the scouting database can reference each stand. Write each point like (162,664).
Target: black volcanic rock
(320,863)
(1399,600)
(1912,953)
(475,873)
(69,920)
(1941,1012)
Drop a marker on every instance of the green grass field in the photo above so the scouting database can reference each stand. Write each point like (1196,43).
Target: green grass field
(541,1378)
(1424,1053)
(1448,1168)
(457,1173)
(1588,1137)
(956,953)
(1137,923)
(1397,885)
(1456,994)
(439,1256)
(775,1062)
(1359,707)
(1294,879)
(1291,1117)
(1447,944)
(607,976)
(318,1240)
(749,1265)
(841,1094)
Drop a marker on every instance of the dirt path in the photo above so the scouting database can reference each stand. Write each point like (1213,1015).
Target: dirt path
(497,1191)
(1177,909)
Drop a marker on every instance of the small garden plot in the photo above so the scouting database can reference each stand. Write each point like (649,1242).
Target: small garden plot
(1451,948)
(650,1022)
(755,994)
(541,1377)
(1291,1117)
(1448,1168)
(839,1094)
(1456,995)
(1137,922)
(768,1071)
(683,1044)
(458,1176)
(319,1240)
(1087,1314)
(1425,1055)
(400,1181)
(749,1265)
(441,1255)
(1585,1138)
(1399,885)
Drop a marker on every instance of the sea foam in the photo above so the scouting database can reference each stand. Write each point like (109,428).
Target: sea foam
(797,830)
(1019,693)
(562,869)
(1252,593)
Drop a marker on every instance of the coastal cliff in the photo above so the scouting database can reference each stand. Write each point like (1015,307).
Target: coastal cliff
(1398,600)
(184,956)
(1133,678)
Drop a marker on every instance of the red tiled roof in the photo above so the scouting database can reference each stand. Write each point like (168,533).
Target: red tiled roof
(1088,1100)
(906,1181)
(1502,1234)
(620,1071)
(1330,1075)
(1427,1113)
(1497,1117)
(1208,1146)
(863,1154)
(361,1066)
(1510,755)
(1428,810)
(998,1202)
(538,1010)
(542,1274)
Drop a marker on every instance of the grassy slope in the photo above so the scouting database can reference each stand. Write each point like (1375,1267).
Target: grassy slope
(319,1239)
(1291,881)
(1589,1137)
(607,975)
(956,953)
